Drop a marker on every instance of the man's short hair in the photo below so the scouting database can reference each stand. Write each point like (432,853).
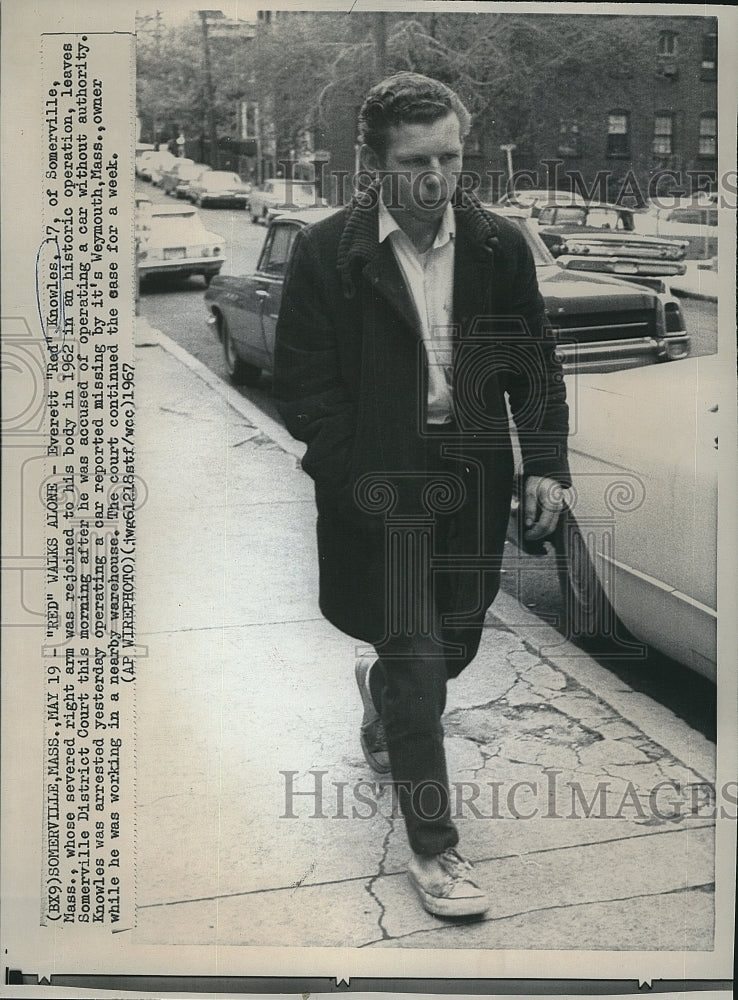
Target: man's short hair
(407,98)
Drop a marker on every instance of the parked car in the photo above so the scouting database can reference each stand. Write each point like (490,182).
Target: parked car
(177,179)
(143,150)
(637,550)
(693,220)
(173,240)
(170,173)
(600,237)
(602,323)
(279,195)
(219,187)
(157,164)
(187,178)
(532,199)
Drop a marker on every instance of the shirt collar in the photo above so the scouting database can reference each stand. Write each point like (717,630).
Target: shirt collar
(388,225)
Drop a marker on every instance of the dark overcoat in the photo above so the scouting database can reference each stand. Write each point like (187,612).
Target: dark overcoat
(351,381)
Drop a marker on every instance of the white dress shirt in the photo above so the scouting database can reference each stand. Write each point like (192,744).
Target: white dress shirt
(429,277)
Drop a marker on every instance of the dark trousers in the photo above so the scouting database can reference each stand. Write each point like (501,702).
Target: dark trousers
(442,610)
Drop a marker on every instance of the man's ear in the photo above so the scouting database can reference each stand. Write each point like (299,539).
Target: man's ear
(369,159)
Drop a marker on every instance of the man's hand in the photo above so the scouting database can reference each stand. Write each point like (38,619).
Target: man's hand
(542,504)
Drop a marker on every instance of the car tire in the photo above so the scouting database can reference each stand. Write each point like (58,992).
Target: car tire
(265,217)
(254,218)
(239,371)
(588,614)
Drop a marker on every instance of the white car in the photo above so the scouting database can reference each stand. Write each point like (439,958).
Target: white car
(173,240)
(638,546)
(155,164)
(692,219)
(279,195)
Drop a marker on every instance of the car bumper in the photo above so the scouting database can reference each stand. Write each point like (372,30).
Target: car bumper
(622,267)
(194,265)
(240,201)
(616,355)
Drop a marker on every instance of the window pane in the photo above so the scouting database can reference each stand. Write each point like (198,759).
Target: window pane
(707,125)
(279,250)
(617,124)
(663,125)
(667,43)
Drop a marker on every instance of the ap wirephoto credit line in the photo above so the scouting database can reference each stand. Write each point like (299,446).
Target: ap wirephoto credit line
(368,511)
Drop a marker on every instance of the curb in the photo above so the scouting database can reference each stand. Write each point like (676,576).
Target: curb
(245,407)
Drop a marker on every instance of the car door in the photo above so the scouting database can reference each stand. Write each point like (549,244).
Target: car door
(269,279)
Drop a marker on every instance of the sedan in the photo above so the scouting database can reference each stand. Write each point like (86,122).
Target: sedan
(601,323)
(637,547)
(694,220)
(279,195)
(157,164)
(604,238)
(219,187)
(173,240)
(181,170)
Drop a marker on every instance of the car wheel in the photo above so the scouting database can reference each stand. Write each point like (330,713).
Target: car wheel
(265,217)
(239,371)
(588,613)
(254,218)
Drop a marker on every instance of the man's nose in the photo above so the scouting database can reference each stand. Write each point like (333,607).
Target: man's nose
(433,175)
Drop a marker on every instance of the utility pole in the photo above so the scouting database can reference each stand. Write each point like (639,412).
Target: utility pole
(209,98)
(380,44)
(508,149)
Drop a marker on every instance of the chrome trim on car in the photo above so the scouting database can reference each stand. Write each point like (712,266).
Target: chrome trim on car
(659,584)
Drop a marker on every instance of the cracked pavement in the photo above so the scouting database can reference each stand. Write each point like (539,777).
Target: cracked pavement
(583,805)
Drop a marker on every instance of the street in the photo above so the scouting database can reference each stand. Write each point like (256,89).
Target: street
(176,307)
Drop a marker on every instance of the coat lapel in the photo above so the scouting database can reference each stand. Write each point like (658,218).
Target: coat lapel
(473,273)
(384,276)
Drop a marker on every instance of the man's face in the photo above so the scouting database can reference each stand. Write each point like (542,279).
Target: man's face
(424,159)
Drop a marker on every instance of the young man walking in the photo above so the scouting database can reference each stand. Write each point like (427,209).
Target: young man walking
(407,319)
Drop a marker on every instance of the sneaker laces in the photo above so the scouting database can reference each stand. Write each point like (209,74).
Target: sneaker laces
(456,864)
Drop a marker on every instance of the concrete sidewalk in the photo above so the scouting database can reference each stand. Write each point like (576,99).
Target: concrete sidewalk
(253,825)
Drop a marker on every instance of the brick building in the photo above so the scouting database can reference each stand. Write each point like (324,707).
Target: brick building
(651,108)
(647,116)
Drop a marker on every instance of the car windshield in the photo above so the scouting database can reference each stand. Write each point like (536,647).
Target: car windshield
(609,218)
(294,191)
(218,179)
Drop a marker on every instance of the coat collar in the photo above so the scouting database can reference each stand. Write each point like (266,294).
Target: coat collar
(359,244)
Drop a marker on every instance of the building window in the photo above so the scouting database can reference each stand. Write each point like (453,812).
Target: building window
(708,70)
(618,134)
(569,138)
(708,134)
(663,134)
(667,44)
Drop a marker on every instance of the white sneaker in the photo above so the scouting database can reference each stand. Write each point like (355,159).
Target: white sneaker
(445,885)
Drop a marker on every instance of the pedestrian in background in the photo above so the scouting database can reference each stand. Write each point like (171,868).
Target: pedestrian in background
(407,318)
